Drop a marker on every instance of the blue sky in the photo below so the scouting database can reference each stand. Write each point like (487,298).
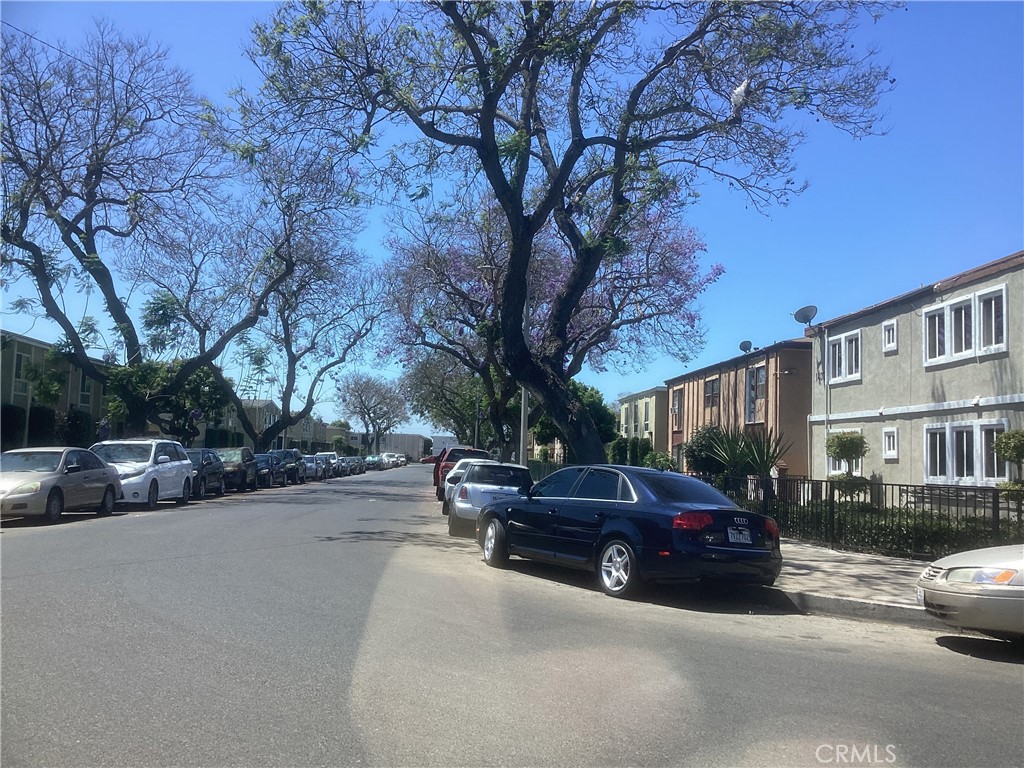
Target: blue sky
(943,191)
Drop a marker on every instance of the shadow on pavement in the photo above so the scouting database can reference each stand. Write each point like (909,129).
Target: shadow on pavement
(983,648)
(401,538)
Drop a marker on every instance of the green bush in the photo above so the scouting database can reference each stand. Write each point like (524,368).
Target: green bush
(658,460)
(12,426)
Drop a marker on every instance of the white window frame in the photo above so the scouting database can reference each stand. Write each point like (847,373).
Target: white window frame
(890,443)
(890,345)
(757,379)
(1001,468)
(22,361)
(84,390)
(844,367)
(955,461)
(958,341)
(833,467)
(981,324)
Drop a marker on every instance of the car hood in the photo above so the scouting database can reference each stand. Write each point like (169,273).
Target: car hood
(11,480)
(1009,556)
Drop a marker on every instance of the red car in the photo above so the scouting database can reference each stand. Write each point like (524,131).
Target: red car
(428,459)
(446,460)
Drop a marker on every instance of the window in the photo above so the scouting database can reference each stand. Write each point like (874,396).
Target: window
(21,365)
(836,467)
(890,443)
(964,452)
(677,409)
(558,484)
(966,326)
(889,338)
(647,415)
(844,357)
(599,484)
(636,418)
(711,393)
(756,393)
(993,321)
(85,390)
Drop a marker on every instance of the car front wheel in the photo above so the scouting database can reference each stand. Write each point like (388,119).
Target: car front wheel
(153,496)
(495,551)
(617,572)
(54,506)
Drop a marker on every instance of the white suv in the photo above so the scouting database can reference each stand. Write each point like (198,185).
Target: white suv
(150,470)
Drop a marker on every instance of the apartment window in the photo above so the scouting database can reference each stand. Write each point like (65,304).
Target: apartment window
(835,466)
(756,392)
(647,415)
(993,468)
(711,393)
(21,365)
(677,409)
(85,390)
(844,357)
(636,418)
(968,325)
(890,443)
(964,452)
(889,338)
(993,321)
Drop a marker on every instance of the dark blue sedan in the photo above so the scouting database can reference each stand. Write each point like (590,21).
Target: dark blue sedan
(630,525)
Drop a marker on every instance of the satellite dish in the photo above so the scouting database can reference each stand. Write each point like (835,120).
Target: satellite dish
(805,314)
(745,346)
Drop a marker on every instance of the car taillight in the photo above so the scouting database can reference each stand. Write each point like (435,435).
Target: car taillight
(772,528)
(692,521)
(463,493)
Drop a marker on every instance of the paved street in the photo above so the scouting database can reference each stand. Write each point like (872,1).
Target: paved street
(338,624)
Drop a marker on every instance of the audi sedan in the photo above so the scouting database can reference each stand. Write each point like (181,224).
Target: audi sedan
(981,590)
(631,525)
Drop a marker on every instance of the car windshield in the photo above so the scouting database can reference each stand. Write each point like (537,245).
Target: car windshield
(262,460)
(486,474)
(675,488)
(131,452)
(32,461)
(231,454)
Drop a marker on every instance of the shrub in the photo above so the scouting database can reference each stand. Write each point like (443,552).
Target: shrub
(697,451)
(658,460)
(12,426)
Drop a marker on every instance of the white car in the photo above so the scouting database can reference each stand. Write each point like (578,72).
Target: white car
(150,470)
(483,482)
(982,589)
(454,477)
(330,460)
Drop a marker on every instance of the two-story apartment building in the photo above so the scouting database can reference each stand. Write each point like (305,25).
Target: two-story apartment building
(930,378)
(762,389)
(645,415)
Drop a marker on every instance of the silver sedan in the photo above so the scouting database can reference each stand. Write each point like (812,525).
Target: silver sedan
(46,482)
(982,590)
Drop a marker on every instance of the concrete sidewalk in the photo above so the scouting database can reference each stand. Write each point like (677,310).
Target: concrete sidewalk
(819,580)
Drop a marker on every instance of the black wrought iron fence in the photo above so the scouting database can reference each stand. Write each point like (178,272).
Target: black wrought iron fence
(857,514)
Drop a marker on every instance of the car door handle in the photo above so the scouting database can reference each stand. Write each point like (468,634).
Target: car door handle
(600,515)
(553,511)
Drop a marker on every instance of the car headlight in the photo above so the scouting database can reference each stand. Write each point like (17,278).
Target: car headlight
(24,488)
(981,575)
(133,473)
(264,471)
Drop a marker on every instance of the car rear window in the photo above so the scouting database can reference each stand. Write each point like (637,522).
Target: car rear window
(673,488)
(465,453)
(489,474)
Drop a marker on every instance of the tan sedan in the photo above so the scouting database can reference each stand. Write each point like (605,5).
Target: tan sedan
(46,482)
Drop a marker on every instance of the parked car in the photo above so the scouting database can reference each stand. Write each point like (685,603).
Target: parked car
(271,470)
(374,462)
(150,470)
(356,465)
(982,590)
(294,467)
(429,459)
(392,459)
(629,525)
(207,472)
(454,477)
(46,482)
(481,483)
(314,468)
(240,471)
(343,468)
(330,459)
(446,460)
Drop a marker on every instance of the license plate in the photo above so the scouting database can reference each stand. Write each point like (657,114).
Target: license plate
(739,536)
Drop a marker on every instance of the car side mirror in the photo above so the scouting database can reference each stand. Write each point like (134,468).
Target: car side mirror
(71,469)
(163,459)
(453,477)
(525,490)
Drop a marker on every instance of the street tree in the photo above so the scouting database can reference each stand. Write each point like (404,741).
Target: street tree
(107,153)
(604,418)
(375,403)
(591,117)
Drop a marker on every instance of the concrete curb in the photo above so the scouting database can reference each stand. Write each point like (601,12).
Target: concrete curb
(852,608)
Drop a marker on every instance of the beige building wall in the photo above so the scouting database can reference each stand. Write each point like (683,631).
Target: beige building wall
(645,415)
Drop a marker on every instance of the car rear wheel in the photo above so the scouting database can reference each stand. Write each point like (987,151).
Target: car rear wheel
(220,490)
(106,506)
(186,492)
(54,506)
(495,551)
(617,572)
(153,496)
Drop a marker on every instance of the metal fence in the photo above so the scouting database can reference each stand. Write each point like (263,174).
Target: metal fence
(857,514)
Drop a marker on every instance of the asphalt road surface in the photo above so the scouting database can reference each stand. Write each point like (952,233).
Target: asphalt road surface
(337,624)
